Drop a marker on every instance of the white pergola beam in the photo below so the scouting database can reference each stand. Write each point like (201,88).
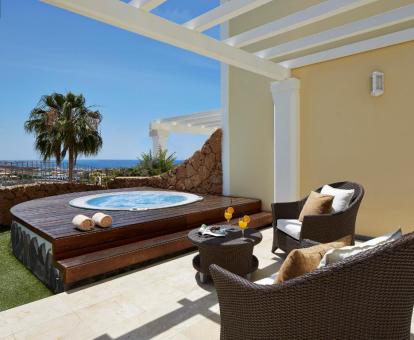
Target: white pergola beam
(350,49)
(194,122)
(146,5)
(198,121)
(198,115)
(181,128)
(373,23)
(215,125)
(223,13)
(122,15)
(296,20)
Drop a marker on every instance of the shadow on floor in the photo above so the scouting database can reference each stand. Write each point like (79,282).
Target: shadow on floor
(188,310)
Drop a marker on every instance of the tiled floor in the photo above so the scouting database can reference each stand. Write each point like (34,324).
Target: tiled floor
(163,301)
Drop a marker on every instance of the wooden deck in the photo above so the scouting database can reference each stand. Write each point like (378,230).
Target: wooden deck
(134,236)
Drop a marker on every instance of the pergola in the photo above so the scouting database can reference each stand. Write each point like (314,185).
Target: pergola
(203,123)
(265,50)
(136,16)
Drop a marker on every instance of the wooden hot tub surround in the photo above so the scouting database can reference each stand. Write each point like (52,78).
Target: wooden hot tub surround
(135,236)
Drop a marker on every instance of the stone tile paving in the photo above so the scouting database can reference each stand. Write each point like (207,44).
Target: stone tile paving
(163,301)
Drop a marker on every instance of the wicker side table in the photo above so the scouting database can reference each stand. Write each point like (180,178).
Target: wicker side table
(231,252)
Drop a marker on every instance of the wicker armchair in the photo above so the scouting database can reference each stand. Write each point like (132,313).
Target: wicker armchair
(320,228)
(367,296)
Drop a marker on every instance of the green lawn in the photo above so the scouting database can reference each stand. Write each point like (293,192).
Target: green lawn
(17,285)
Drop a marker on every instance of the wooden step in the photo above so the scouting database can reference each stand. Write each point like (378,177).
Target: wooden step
(88,265)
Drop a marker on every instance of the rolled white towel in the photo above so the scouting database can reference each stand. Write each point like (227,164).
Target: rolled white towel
(83,222)
(102,220)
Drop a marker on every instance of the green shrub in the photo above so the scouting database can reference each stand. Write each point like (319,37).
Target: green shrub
(153,165)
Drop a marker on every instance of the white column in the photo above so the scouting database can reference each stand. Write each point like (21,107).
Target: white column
(225,150)
(286,99)
(159,140)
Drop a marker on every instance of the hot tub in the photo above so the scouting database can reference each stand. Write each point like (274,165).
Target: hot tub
(135,200)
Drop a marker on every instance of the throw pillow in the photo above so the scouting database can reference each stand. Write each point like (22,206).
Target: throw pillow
(336,255)
(316,204)
(305,260)
(342,197)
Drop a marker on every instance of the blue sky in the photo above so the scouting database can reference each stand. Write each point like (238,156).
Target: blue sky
(132,79)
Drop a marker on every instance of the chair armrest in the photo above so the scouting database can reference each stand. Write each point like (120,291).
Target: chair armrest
(286,210)
(246,308)
(328,227)
(251,311)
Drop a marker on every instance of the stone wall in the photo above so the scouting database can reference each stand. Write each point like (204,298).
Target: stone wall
(201,173)
(10,196)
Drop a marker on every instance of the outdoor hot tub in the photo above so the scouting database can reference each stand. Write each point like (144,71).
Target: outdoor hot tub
(135,200)
(61,256)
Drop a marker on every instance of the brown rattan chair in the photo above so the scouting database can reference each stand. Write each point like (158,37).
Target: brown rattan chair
(366,296)
(320,228)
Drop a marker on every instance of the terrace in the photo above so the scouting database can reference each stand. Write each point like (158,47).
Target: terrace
(275,139)
(160,301)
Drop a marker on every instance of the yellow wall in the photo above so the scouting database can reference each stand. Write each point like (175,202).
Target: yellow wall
(345,133)
(348,134)
(251,136)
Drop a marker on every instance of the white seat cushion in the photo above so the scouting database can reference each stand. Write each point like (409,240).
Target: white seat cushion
(342,197)
(270,280)
(290,227)
(339,254)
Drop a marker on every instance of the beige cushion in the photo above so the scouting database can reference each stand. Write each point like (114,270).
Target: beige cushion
(316,204)
(336,255)
(305,260)
(290,226)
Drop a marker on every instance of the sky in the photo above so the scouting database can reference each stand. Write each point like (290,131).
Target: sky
(131,79)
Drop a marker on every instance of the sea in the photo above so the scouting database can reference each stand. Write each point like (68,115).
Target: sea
(97,163)
(106,163)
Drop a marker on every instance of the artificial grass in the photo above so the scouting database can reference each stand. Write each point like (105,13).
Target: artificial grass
(18,286)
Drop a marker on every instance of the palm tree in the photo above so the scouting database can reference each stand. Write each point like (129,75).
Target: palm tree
(63,124)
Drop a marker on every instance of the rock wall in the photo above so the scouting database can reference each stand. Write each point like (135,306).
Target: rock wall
(10,196)
(201,173)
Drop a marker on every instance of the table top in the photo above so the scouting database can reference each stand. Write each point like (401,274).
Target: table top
(233,237)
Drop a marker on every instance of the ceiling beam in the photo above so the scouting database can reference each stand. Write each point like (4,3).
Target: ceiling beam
(124,16)
(352,29)
(350,49)
(223,13)
(296,20)
(146,5)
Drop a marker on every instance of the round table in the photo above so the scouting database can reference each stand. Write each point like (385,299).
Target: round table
(232,252)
